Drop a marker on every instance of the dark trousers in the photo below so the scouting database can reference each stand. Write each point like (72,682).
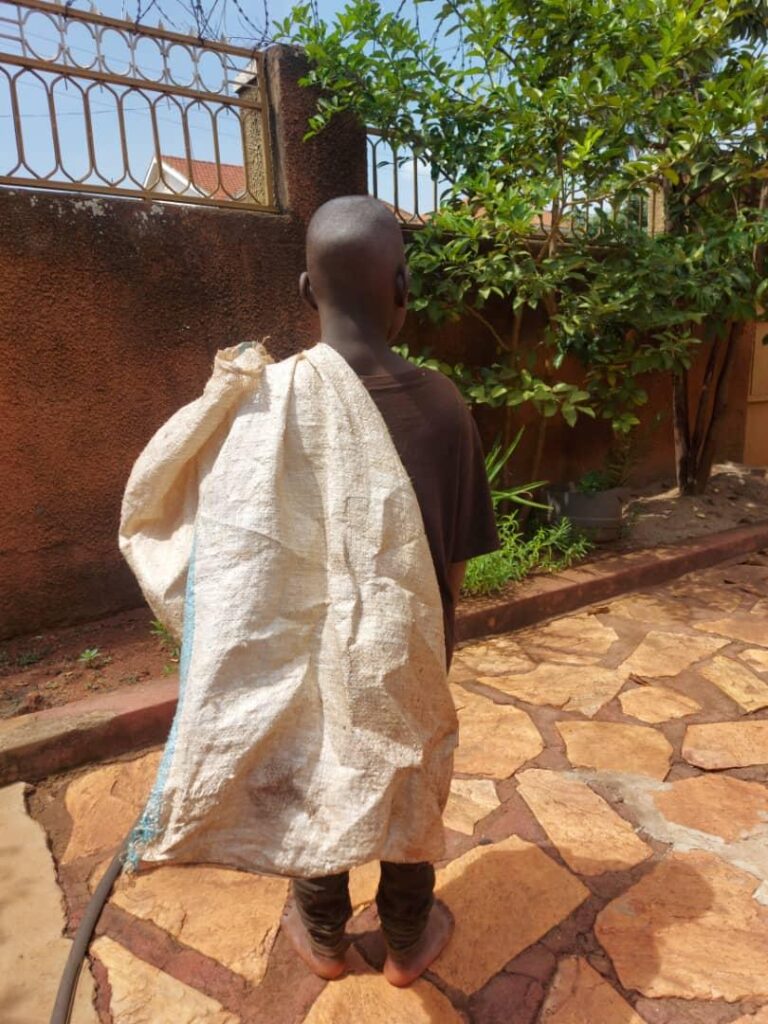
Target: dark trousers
(404,900)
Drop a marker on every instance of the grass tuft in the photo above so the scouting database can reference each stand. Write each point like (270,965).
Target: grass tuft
(547,549)
(168,641)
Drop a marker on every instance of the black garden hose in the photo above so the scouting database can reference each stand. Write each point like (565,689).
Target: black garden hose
(65,997)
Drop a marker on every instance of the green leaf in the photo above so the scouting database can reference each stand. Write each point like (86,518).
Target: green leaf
(512,108)
(570,415)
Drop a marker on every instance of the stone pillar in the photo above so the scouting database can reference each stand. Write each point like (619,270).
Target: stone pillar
(253,141)
(308,173)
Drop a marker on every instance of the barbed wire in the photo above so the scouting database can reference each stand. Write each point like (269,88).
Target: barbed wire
(202,13)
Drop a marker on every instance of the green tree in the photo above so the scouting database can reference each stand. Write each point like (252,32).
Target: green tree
(555,124)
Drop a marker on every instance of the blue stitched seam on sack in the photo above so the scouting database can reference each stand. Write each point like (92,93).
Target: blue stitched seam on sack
(147,827)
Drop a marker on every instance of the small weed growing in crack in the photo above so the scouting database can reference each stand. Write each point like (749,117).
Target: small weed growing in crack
(26,658)
(92,657)
(168,642)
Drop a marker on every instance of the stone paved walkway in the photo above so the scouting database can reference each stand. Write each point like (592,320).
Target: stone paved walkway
(607,844)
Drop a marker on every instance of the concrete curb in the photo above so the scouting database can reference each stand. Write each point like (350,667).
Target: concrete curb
(44,742)
(546,596)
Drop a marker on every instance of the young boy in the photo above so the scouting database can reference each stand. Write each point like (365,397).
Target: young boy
(357,282)
(309,521)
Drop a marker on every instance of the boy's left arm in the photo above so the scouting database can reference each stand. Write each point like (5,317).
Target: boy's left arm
(455,578)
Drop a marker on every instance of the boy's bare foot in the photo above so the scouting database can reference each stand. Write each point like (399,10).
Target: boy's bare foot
(405,970)
(327,967)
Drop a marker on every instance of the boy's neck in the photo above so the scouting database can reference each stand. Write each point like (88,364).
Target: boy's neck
(364,346)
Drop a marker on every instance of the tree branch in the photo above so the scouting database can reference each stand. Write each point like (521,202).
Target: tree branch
(487,324)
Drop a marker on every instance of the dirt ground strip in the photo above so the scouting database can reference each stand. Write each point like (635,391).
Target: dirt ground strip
(607,843)
(46,670)
(658,514)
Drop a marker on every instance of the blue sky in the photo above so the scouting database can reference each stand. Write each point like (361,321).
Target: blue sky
(239,20)
(226,17)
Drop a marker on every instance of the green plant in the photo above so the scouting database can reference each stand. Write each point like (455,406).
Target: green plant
(550,126)
(168,641)
(547,549)
(93,658)
(495,463)
(594,481)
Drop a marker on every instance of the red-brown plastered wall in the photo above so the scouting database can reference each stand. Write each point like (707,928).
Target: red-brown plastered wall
(570,451)
(110,313)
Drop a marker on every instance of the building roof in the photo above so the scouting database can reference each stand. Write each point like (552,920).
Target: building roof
(225,182)
(231,185)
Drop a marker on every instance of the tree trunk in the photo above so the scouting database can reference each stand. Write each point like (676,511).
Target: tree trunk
(705,455)
(705,399)
(538,454)
(695,451)
(684,471)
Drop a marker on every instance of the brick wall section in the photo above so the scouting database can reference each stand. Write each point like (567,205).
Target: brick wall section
(110,313)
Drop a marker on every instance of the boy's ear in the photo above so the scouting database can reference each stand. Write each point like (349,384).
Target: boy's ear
(402,284)
(305,291)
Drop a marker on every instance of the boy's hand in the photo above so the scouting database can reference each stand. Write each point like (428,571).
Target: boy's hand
(456,578)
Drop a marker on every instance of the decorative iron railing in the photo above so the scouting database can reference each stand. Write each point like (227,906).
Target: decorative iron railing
(100,105)
(403,180)
(407,183)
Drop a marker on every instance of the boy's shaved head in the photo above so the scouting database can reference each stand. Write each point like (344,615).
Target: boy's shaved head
(355,256)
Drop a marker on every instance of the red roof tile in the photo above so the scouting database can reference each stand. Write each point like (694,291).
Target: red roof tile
(226,182)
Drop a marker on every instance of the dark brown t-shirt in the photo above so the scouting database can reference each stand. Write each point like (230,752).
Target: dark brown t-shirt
(439,445)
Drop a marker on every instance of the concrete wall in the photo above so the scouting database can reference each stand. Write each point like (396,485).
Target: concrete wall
(110,313)
(756,443)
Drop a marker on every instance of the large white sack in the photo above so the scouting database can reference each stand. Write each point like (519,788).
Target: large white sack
(315,730)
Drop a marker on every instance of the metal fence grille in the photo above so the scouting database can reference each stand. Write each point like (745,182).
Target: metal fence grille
(99,105)
(402,180)
(405,182)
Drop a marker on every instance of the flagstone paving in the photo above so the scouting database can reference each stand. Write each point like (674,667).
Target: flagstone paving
(606,844)
(573,640)
(616,747)
(469,801)
(690,928)
(575,688)
(750,629)
(33,950)
(757,657)
(590,837)
(209,909)
(662,654)
(741,684)
(511,874)
(366,996)
(580,995)
(654,704)
(727,744)
(140,992)
(717,804)
(496,738)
